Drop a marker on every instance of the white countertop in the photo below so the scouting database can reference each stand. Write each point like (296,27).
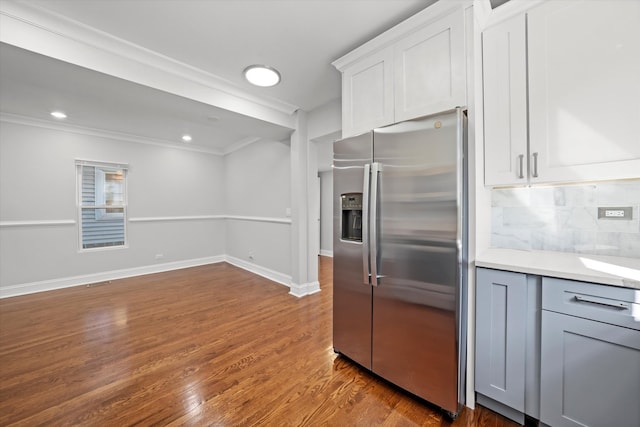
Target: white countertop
(607,270)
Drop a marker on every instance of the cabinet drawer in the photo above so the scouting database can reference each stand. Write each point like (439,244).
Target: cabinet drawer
(589,373)
(609,304)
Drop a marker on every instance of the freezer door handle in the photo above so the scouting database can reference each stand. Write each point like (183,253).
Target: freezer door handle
(366,273)
(376,168)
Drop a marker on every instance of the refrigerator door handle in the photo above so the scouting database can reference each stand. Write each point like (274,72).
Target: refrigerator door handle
(366,273)
(460,132)
(375,171)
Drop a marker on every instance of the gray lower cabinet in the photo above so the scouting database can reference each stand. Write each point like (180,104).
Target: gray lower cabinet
(507,342)
(590,360)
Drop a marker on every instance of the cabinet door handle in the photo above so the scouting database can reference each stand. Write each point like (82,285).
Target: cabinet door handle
(535,165)
(616,305)
(521,166)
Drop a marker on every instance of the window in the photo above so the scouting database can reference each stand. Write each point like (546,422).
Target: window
(102,204)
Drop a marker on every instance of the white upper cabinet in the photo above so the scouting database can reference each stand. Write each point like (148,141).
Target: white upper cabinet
(584,90)
(578,61)
(504,79)
(430,68)
(367,100)
(414,69)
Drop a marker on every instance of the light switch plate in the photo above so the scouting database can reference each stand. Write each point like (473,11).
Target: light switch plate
(615,212)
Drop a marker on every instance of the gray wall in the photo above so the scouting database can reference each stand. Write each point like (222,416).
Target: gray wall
(325,122)
(326,213)
(167,188)
(325,126)
(38,183)
(258,185)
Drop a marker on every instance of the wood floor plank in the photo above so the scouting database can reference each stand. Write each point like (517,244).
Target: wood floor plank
(209,345)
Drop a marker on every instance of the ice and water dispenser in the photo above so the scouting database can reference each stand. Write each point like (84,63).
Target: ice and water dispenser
(351,219)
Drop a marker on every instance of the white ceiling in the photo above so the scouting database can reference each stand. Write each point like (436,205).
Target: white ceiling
(33,85)
(221,37)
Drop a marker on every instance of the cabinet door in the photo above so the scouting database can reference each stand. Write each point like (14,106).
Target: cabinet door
(590,373)
(430,68)
(501,317)
(504,75)
(584,63)
(367,94)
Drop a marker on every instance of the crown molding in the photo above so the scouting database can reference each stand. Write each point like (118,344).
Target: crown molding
(421,19)
(119,136)
(39,30)
(488,17)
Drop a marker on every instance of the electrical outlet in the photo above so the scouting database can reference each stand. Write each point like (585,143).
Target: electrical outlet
(251,256)
(159,256)
(615,213)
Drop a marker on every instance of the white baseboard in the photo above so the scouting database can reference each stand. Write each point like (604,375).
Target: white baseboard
(325,252)
(298,290)
(276,276)
(67,282)
(304,289)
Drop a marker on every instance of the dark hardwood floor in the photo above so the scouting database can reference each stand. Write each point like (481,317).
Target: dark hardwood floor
(210,345)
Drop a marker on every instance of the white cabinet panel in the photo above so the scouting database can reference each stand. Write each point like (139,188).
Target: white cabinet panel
(414,69)
(367,88)
(505,102)
(584,90)
(430,68)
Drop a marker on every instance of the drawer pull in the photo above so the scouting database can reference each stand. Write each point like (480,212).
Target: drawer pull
(521,166)
(616,305)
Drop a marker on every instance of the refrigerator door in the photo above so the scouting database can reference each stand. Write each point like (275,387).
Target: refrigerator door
(414,305)
(351,288)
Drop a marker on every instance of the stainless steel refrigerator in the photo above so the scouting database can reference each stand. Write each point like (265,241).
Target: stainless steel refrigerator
(400,239)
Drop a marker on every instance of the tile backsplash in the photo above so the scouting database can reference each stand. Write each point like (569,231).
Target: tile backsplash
(565,218)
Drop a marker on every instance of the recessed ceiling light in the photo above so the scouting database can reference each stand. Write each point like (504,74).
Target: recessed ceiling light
(58,114)
(261,75)
(186,138)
